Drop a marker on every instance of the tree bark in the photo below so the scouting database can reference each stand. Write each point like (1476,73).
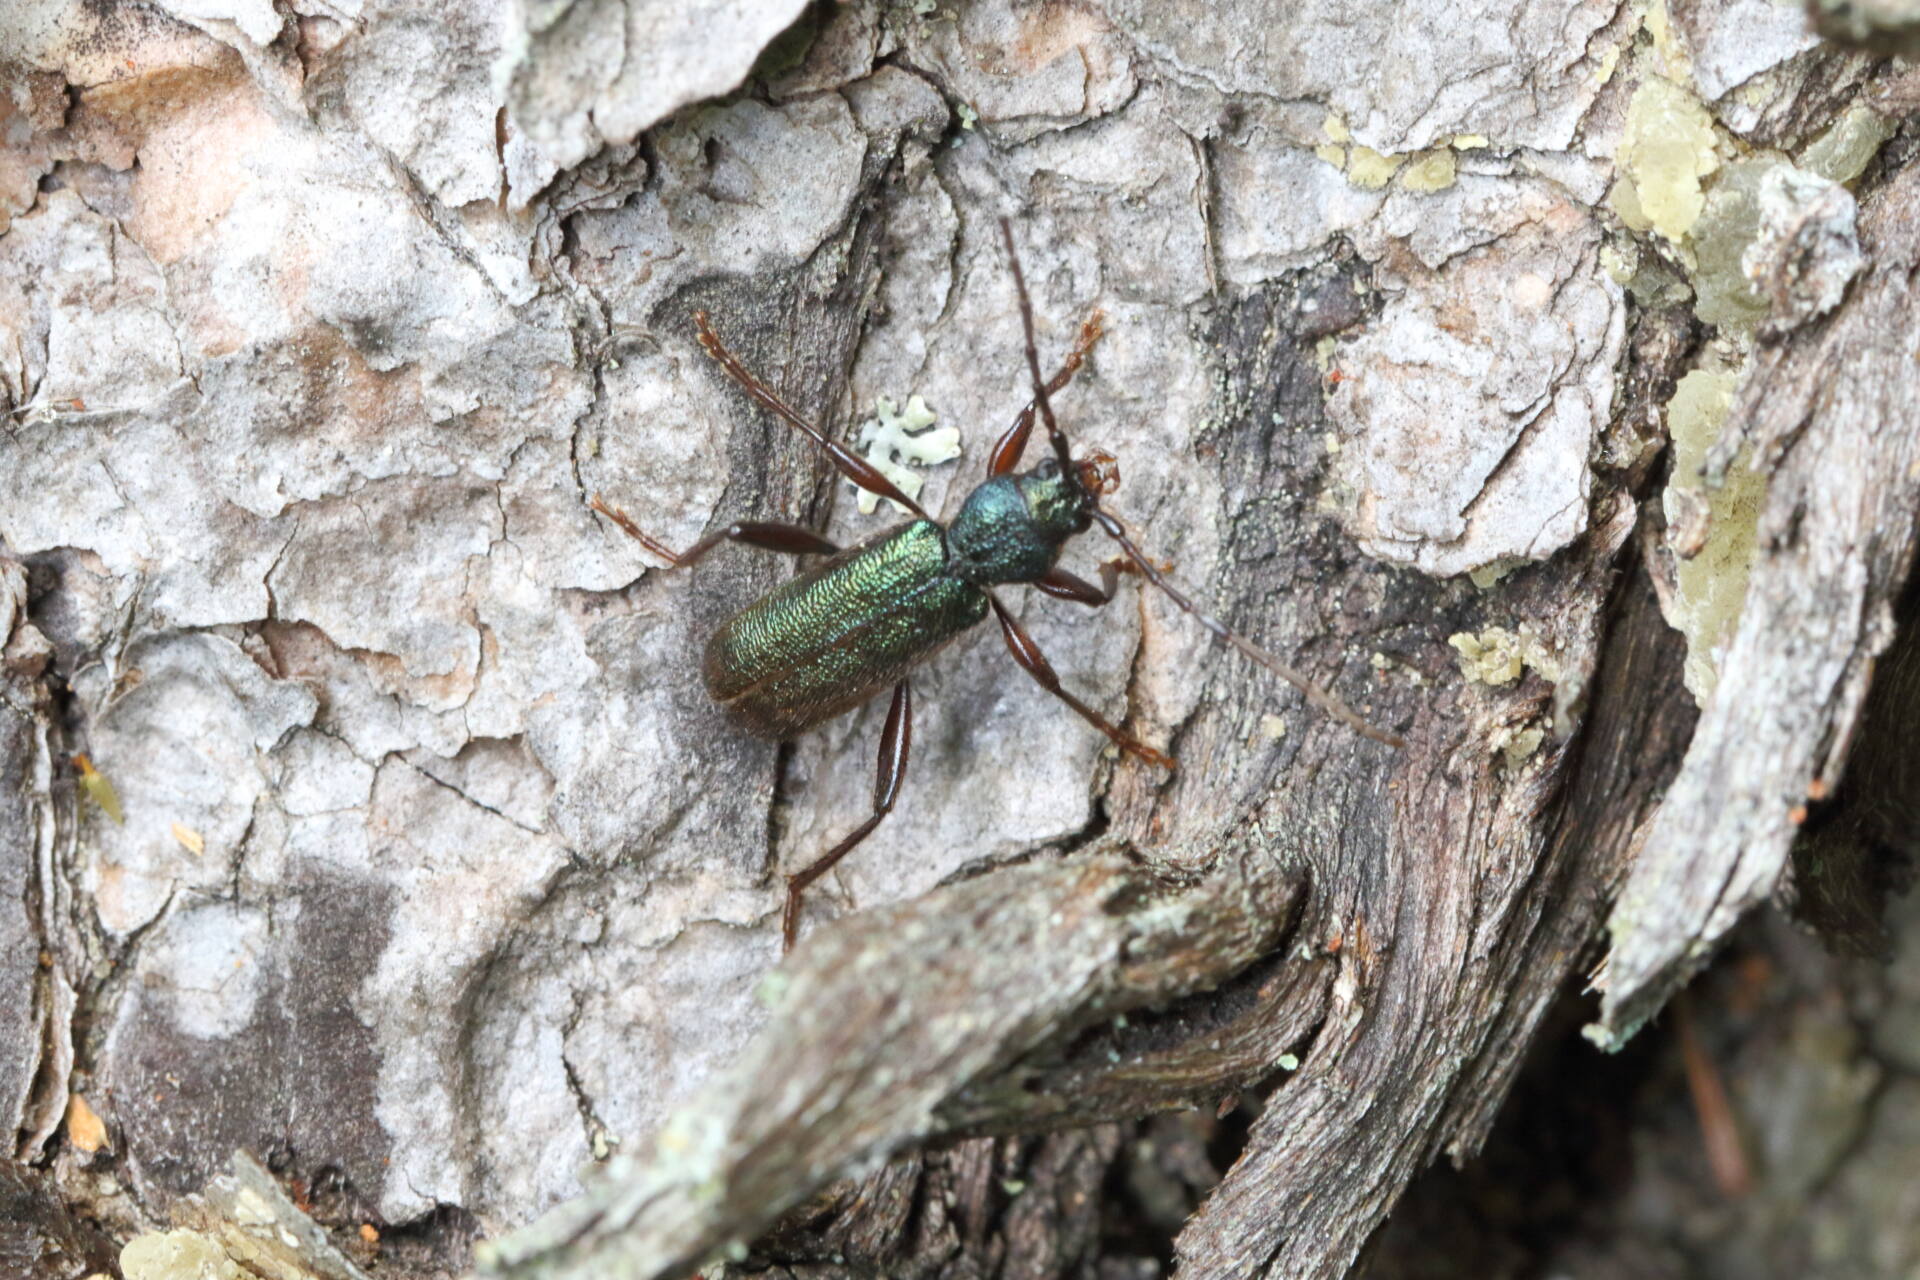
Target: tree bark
(439,907)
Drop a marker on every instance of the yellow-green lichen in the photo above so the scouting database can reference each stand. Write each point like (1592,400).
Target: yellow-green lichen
(1609,63)
(1626,204)
(1488,575)
(1336,129)
(1333,154)
(177,1255)
(1370,170)
(1490,658)
(1667,47)
(1711,586)
(1430,171)
(1666,148)
(1843,152)
(1516,745)
(1727,225)
(1498,655)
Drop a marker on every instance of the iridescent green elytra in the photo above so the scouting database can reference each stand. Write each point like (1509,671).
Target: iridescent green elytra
(853,625)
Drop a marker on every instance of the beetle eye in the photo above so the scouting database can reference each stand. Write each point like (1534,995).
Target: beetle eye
(1048,469)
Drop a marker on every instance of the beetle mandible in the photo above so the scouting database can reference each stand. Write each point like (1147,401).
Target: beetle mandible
(837,634)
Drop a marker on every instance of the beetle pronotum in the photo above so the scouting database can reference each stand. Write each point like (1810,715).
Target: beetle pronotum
(841,631)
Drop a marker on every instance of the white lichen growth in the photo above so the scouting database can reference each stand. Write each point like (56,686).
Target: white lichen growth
(690,1151)
(895,439)
(1805,248)
(1711,586)
(771,991)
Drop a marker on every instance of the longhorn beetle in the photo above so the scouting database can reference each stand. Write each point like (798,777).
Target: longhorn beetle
(838,633)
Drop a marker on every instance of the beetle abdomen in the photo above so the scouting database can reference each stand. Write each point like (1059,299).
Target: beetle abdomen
(841,632)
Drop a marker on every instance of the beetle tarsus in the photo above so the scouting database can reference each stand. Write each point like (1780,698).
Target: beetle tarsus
(896,741)
(1035,664)
(1013,443)
(768,535)
(632,530)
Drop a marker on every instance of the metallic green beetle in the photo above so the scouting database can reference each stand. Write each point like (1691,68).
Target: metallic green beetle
(859,622)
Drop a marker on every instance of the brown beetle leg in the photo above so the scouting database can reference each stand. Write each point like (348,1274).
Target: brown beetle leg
(845,461)
(1006,453)
(895,741)
(1071,586)
(1028,655)
(769,535)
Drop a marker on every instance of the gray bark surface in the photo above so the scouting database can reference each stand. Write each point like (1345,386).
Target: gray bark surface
(443,907)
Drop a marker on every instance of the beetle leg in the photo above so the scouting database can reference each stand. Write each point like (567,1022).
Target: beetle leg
(845,461)
(895,741)
(1071,586)
(769,535)
(1028,655)
(1006,453)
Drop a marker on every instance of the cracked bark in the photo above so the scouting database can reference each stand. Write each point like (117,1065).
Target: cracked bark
(485,889)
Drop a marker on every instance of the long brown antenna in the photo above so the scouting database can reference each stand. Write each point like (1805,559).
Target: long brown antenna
(1314,693)
(1318,696)
(1054,434)
(1110,523)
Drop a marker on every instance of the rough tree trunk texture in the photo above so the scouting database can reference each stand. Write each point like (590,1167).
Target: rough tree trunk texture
(1540,378)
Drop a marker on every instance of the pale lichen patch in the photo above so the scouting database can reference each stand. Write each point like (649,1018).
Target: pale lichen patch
(1710,586)
(1491,658)
(1371,170)
(1430,171)
(1499,655)
(177,1255)
(896,437)
(1843,152)
(1668,146)
(1516,744)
